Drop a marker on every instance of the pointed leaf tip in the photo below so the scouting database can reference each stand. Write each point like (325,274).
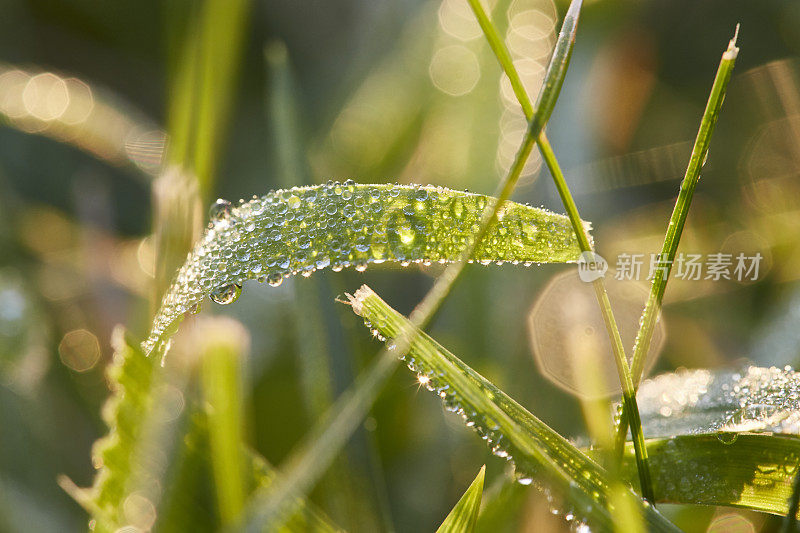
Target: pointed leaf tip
(464,516)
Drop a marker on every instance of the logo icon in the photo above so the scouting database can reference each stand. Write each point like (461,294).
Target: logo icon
(591,266)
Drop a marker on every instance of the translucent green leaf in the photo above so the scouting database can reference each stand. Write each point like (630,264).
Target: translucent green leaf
(130,376)
(338,225)
(118,455)
(464,515)
(723,438)
(510,430)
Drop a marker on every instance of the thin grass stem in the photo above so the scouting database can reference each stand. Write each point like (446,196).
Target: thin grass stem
(503,56)
(677,222)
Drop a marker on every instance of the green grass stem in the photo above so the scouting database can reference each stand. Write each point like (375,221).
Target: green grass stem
(564,51)
(677,222)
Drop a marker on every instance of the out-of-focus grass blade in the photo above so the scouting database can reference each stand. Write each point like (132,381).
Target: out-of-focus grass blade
(300,230)
(510,430)
(202,85)
(189,509)
(118,456)
(91,118)
(315,345)
(221,344)
(464,515)
(677,221)
(311,338)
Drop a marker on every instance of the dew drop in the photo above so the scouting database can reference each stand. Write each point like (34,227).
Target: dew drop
(406,234)
(294,202)
(227,294)
(220,210)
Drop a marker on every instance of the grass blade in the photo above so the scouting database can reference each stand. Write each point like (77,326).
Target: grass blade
(751,470)
(556,71)
(134,415)
(725,438)
(681,210)
(678,220)
(190,509)
(316,347)
(222,343)
(354,404)
(464,516)
(202,84)
(511,431)
(95,120)
(304,229)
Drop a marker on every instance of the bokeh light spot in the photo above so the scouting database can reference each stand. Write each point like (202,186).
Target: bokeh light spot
(566,327)
(46,96)
(454,70)
(79,350)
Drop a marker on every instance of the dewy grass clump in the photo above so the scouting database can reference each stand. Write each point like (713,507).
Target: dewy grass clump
(338,225)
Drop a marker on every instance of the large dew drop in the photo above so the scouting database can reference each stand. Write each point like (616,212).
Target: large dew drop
(220,210)
(227,294)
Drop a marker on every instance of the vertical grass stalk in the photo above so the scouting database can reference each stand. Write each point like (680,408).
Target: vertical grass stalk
(221,346)
(503,56)
(677,222)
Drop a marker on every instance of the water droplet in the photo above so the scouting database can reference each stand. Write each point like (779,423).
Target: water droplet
(294,202)
(220,210)
(227,294)
(406,234)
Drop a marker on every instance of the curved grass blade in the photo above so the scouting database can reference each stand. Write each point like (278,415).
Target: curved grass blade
(728,437)
(300,230)
(463,517)
(510,430)
(93,119)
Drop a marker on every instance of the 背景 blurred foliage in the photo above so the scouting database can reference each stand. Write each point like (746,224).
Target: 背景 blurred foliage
(376,91)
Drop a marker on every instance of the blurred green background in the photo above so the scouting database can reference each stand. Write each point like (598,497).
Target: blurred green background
(376,91)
